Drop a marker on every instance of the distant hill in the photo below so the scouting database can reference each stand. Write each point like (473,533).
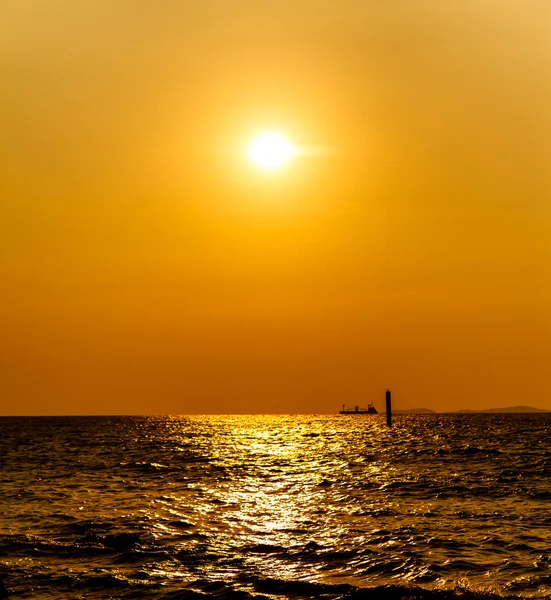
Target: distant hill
(509,409)
(466,411)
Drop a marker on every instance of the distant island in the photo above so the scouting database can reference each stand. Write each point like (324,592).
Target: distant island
(508,409)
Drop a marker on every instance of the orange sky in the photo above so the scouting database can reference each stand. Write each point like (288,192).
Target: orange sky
(148,267)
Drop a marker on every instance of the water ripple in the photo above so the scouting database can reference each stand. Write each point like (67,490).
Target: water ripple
(276,506)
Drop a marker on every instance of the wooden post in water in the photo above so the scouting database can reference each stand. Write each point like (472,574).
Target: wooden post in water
(388,409)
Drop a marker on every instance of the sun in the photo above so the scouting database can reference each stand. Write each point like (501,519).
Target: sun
(270,150)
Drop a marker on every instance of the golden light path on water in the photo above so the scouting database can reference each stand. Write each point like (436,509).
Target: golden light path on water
(277,485)
(278,506)
(327,500)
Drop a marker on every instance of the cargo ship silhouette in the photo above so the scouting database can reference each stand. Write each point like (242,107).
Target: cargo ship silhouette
(370,410)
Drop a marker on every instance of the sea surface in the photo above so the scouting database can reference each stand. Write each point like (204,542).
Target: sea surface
(238,507)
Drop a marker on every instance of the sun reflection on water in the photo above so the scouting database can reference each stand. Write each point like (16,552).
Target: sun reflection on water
(274,491)
(317,499)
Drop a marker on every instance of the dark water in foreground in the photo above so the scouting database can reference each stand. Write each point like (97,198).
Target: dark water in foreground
(276,507)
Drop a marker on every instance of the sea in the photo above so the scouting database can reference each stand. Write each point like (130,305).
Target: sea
(437,506)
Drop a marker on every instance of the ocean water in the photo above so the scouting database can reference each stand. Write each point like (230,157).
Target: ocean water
(438,506)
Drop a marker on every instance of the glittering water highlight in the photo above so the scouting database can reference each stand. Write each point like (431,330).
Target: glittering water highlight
(276,506)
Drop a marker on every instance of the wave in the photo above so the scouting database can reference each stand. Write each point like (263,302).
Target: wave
(267,507)
(144,586)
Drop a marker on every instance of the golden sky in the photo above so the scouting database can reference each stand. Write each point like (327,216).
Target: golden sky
(147,266)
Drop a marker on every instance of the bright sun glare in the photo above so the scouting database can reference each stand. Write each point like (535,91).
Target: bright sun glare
(271,150)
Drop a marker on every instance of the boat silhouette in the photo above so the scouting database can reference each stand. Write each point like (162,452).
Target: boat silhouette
(370,410)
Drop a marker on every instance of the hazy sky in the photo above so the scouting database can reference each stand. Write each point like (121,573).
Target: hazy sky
(147,266)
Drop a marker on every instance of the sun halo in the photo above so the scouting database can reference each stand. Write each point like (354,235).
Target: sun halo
(271,150)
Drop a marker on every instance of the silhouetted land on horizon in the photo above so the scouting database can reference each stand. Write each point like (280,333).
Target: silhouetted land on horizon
(508,409)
